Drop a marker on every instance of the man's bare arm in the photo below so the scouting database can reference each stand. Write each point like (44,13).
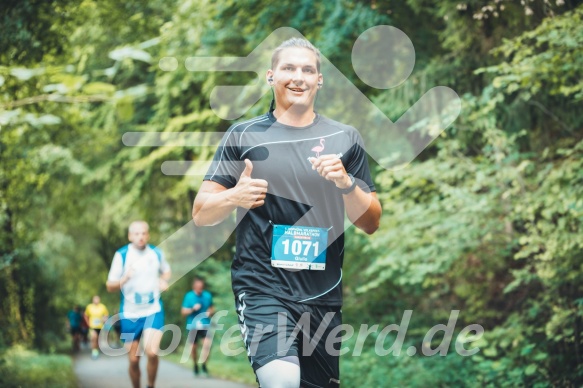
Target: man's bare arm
(363,210)
(214,202)
(166,275)
(116,285)
(163,281)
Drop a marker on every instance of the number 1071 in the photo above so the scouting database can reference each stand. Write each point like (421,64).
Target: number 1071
(297,246)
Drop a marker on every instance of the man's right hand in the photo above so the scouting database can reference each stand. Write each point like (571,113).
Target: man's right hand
(249,193)
(124,279)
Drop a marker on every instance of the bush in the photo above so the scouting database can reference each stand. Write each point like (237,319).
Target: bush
(24,368)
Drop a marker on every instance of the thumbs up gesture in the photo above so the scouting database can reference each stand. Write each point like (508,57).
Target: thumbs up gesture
(250,193)
(248,169)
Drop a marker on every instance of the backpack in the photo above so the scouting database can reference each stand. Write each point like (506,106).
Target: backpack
(123,251)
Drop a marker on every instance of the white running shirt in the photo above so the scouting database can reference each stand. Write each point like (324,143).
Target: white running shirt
(141,293)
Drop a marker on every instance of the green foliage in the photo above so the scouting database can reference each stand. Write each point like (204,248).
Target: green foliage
(27,29)
(370,370)
(24,368)
(545,60)
(491,222)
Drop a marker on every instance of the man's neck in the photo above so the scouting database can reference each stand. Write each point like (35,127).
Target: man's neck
(138,247)
(295,117)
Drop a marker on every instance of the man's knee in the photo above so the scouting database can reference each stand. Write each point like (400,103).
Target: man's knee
(151,354)
(279,374)
(152,342)
(134,360)
(133,353)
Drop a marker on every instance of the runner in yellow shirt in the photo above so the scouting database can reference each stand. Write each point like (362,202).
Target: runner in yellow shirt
(95,314)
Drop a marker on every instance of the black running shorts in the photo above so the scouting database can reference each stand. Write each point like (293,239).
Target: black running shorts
(273,328)
(195,335)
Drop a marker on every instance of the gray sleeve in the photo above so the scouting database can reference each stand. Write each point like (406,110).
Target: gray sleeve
(226,167)
(357,161)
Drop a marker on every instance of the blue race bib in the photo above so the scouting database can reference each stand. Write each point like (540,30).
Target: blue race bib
(299,247)
(147,298)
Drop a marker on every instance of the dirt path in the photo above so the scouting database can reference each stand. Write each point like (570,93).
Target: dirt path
(112,372)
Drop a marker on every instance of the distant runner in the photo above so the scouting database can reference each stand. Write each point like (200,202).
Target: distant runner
(74,323)
(197,307)
(95,314)
(142,273)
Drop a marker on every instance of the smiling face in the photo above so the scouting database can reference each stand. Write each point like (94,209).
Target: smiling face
(295,79)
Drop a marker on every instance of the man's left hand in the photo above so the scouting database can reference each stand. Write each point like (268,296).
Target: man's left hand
(330,167)
(163,284)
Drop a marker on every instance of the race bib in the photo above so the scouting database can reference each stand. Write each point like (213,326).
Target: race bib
(147,298)
(299,247)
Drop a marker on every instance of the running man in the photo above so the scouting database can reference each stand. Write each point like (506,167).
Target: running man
(95,314)
(141,272)
(292,174)
(74,322)
(197,307)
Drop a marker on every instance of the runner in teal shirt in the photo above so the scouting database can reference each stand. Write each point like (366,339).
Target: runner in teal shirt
(197,307)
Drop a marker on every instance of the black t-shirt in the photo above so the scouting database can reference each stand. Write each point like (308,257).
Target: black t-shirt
(296,192)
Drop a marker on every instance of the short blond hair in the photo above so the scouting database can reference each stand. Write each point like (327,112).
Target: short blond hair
(136,223)
(294,42)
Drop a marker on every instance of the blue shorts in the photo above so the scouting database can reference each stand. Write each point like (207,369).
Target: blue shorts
(132,328)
